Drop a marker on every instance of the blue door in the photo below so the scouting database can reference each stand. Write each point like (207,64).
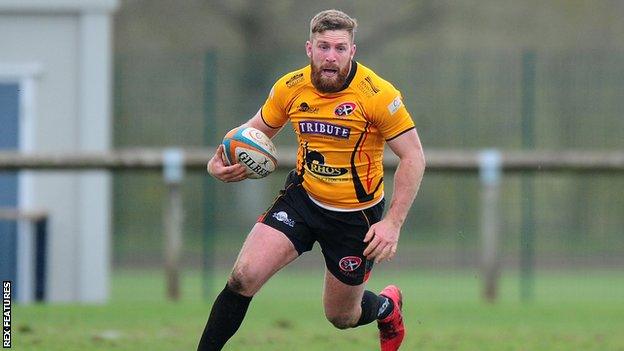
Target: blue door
(9,134)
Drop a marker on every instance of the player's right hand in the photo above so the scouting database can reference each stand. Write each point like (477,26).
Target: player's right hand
(218,168)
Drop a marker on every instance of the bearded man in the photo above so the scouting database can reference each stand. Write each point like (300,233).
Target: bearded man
(343,113)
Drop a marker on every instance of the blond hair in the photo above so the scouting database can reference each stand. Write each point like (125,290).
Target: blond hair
(333,20)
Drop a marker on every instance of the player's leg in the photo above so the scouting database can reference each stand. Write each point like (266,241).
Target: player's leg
(348,306)
(342,302)
(265,251)
(347,303)
(280,235)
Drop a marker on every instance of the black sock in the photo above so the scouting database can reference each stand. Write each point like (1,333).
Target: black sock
(226,316)
(374,307)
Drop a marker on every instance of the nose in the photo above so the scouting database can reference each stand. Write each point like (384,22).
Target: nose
(331,56)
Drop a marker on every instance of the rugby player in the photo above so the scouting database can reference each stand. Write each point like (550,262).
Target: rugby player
(343,114)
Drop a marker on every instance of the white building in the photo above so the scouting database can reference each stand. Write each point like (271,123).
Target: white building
(55,95)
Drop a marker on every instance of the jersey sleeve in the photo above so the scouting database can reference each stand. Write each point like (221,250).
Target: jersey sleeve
(273,111)
(390,115)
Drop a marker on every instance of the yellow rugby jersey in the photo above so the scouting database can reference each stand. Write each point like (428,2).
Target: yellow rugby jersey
(341,135)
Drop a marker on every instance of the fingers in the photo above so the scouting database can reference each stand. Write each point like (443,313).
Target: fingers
(380,247)
(234,173)
(238,175)
(369,235)
(387,254)
(371,247)
(381,252)
(376,250)
(218,168)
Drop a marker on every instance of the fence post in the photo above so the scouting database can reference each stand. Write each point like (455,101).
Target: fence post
(210,140)
(490,175)
(41,257)
(173,169)
(527,237)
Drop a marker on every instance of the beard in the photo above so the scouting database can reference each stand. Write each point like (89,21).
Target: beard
(329,84)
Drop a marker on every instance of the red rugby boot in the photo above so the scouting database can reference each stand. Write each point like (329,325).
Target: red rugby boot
(391,328)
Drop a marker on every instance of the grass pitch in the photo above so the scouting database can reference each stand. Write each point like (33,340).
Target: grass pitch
(443,311)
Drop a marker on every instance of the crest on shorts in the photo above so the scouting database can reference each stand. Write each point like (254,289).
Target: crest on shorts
(350,263)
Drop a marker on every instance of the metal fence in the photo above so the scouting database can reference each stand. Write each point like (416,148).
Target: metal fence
(508,99)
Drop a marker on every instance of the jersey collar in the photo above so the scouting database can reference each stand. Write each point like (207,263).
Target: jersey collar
(350,76)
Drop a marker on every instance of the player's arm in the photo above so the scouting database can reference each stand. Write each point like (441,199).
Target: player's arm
(219,169)
(259,123)
(270,125)
(383,236)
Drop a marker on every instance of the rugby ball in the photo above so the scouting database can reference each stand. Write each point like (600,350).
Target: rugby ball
(251,148)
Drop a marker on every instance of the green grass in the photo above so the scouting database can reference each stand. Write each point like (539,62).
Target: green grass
(443,311)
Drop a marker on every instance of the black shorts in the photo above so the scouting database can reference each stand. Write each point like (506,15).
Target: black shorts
(340,234)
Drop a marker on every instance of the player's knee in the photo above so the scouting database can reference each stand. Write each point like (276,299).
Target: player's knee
(240,282)
(341,321)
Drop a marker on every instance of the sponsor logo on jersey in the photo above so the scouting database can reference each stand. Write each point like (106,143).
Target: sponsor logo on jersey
(304,107)
(367,87)
(322,128)
(345,109)
(283,217)
(395,105)
(326,171)
(315,162)
(294,80)
(349,263)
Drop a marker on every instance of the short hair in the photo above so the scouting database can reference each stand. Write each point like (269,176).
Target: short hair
(333,20)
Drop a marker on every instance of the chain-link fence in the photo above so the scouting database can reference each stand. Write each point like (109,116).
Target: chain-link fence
(506,99)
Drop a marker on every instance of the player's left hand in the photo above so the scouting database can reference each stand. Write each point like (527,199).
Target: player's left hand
(383,239)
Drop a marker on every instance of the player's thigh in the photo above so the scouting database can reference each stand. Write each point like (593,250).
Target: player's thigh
(265,251)
(340,299)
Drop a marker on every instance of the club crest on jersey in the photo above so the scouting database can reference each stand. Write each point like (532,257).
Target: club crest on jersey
(345,109)
(350,263)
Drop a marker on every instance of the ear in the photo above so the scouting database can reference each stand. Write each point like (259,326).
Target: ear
(308,46)
(353,51)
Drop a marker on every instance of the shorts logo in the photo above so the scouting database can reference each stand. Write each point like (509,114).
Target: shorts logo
(345,109)
(350,263)
(283,217)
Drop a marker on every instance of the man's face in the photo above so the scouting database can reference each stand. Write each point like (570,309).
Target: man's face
(330,54)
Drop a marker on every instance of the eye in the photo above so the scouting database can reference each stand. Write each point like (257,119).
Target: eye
(324,46)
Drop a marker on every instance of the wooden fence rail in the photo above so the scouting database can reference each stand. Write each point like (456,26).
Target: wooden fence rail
(437,160)
(490,164)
